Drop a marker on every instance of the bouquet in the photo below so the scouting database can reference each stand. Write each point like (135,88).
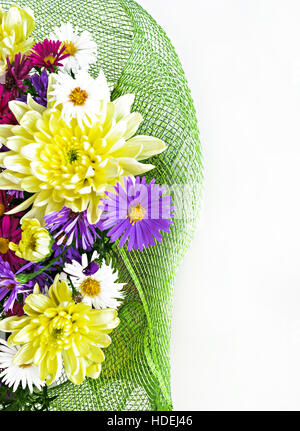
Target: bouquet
(72,193)
(97,132)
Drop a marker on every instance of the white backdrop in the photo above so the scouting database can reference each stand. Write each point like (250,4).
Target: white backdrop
(236,330)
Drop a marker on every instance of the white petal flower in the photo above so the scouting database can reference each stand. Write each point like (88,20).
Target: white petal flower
(83,98)
(81,47)
(97,284)
(13,375)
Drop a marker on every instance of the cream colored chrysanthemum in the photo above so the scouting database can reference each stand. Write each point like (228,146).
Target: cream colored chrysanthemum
(16,27)
(56,331)
(35,244)
(65,165)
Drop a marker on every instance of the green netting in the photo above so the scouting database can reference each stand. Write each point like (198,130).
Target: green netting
(138,58)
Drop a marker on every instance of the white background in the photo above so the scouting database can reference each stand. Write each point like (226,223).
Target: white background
(236,331)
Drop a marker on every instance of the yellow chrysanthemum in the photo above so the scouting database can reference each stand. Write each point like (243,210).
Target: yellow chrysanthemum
(55,330)
(67,165)
(35,244)
(16,27)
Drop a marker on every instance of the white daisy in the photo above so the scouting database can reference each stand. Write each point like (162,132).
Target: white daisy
(82,97)
(81,47)
(13,375)
(97,284)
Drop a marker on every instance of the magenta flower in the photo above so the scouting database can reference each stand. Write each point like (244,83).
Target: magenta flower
(16,73)
(15,310)
(4,202)
(6,116)
(137,212)
(6,198)
(10,231)
(48,54)
(4,98)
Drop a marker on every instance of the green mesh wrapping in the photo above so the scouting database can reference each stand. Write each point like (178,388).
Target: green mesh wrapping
(137,57)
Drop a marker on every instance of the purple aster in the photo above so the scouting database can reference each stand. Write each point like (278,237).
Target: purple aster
(67,226)
(40,83)
(137,212)
(63,256)
(9,285)
(43,279)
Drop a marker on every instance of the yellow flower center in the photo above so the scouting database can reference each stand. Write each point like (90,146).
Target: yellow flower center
(2,209)
(90,287)
(69,163)
(58,332)
(72,155)
(50,59)
(136,213)
(29,241)
(60,329)
(70,47)
(32,243)
(78,96)
(4,245)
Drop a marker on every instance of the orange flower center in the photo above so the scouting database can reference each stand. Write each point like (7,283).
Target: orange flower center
(50,59)
(78,96)
(136,213)
(4,245)
(90,287)
(70,47)
(2,209)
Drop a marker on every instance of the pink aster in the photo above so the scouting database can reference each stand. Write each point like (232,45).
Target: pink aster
(6,116)
(48,54)
(10,231)
(16,73)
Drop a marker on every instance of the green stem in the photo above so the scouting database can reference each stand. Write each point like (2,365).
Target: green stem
(24,278)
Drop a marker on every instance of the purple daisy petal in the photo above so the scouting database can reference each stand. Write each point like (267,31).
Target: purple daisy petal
(91,269)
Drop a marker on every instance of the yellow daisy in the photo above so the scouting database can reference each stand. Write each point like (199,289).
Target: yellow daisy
(66,165)
(56,331)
